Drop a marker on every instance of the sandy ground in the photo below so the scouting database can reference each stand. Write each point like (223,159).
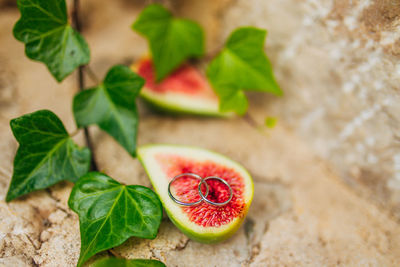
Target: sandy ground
(302,214)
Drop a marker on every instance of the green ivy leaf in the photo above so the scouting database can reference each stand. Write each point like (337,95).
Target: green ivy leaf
(49,38)
(111,106)
(118,262)
(233,100)
(241,65)
(46,154)
(110,213)
(172,40)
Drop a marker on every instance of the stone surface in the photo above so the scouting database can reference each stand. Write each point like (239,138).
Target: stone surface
(339,66)
(315,172)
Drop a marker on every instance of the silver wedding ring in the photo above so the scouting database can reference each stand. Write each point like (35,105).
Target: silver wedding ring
(203,197)
(187,204)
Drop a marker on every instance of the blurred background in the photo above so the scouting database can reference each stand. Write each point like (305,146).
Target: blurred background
(327,176)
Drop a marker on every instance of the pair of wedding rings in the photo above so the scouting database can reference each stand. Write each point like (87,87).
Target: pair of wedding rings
(203,197)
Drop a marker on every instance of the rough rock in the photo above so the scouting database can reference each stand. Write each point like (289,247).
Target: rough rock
(338,64)
(326,180)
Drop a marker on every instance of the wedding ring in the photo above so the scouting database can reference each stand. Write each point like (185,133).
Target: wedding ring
(204,197)
(187,204)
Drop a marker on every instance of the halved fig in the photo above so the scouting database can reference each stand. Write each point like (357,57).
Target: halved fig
(203,222)
(186,90)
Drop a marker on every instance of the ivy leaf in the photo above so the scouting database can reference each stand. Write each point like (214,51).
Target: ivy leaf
(49,38)
(111,106)
(172,40)
(46,154)
(233,100)
(109,213)
(241,65)
(118,262)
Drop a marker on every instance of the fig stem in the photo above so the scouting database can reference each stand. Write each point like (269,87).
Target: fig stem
(81,86)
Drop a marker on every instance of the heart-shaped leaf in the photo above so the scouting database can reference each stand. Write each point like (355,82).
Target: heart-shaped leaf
(172,40)
(49,38)
(118,262)
(46,154)
(241,65)
(110,213)
(112,106)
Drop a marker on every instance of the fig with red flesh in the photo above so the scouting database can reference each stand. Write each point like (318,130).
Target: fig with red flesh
(204,222)
(186,90)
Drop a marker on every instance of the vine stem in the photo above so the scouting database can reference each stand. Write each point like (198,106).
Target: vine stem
(81,86)
(253,124)
(75,132)
(91,74)
(250,120)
